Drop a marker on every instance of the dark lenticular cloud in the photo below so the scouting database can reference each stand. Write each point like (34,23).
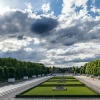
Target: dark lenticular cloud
(43,25)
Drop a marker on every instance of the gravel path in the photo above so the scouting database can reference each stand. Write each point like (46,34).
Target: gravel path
(9,92)
(90,82)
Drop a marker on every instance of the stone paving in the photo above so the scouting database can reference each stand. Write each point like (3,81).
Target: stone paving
(50,99)
(12,87)
(62,99)
(9,94)
(90,82)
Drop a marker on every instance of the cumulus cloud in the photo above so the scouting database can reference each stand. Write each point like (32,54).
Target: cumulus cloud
(70,38)
(69,6)
(14,44)
(14,22)
(26,55)
(46,7)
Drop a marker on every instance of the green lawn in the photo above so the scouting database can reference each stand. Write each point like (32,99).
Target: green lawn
(69,91)
(74,87)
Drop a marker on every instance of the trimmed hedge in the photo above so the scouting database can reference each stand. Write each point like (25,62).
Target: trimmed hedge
(66,80)
(64,77)
(71,96)
(42,85)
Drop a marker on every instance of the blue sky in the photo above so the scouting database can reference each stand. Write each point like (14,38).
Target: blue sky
(61,33)
(56,5)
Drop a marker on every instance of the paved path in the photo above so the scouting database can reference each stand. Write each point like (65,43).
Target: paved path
(9,92)
(61,99)
(90,82)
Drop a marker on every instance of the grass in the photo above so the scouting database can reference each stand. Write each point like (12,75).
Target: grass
(69,91)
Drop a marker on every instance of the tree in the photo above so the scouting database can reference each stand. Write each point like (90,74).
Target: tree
(73,68)
(20,68)
(25,71)
(53,68)
(1,73)
(6,72)
(12,72)
(63,70)
(18,72)
(50,70)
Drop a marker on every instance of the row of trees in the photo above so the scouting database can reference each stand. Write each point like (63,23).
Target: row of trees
(76,69)
(13,68)
(73,69)
(91,68)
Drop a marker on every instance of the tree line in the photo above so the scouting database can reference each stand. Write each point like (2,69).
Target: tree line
(13,68)
(91,68)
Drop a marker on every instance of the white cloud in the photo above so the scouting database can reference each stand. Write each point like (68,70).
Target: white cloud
(70,5)
(74,41)
(37,41)
(29,8)
(7,9)
(13,44)
(29,5)
(95,10)
(46,7)
(93,2)
(28,49)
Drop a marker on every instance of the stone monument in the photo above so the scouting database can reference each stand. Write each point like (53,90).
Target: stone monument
(61,86)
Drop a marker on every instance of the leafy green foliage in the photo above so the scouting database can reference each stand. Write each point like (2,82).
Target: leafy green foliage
(11,67)
(1,72)
(12,72)
(6,72)
(76,70)
(91,68)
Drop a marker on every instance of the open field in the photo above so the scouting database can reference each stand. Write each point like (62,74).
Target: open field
(74,88)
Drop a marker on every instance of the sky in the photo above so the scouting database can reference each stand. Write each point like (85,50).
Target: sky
(61,33)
